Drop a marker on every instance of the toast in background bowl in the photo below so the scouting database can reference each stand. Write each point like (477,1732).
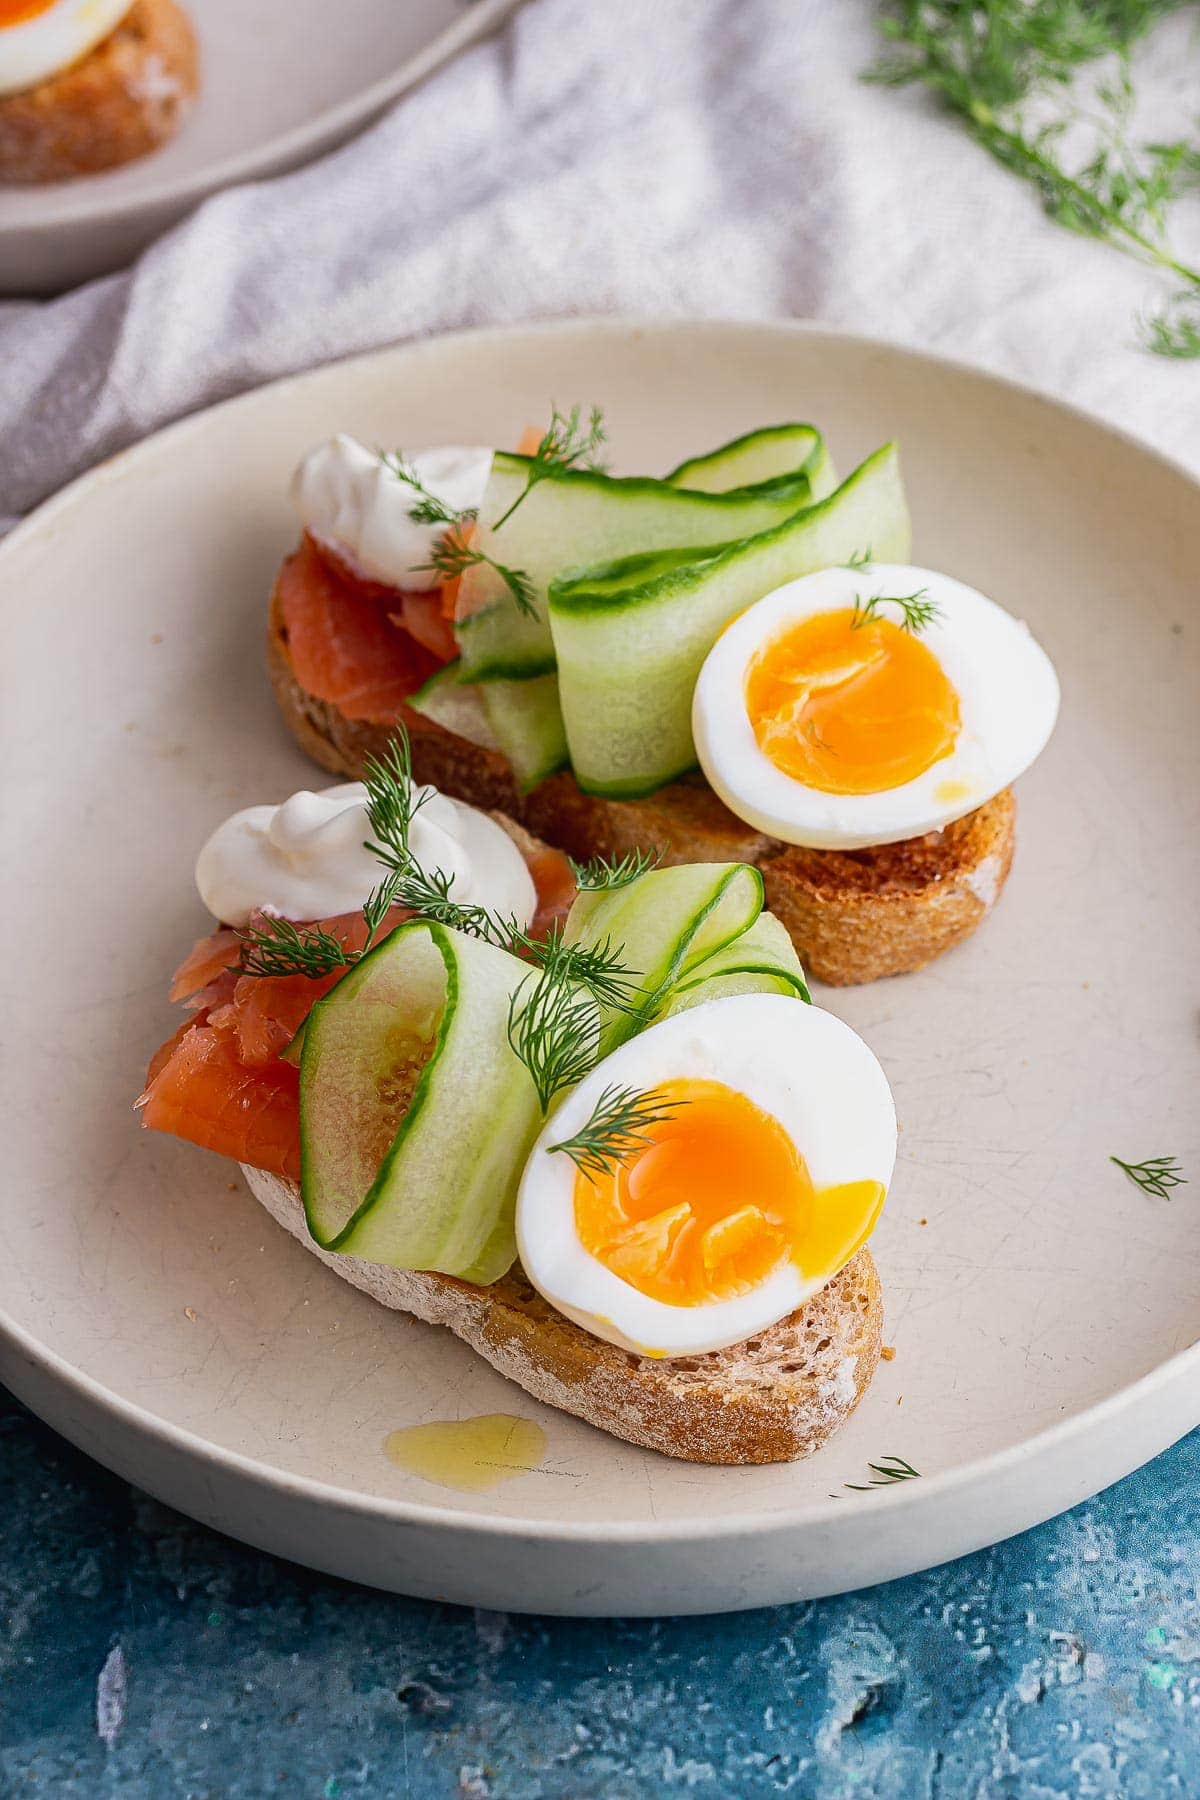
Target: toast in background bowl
(125,97)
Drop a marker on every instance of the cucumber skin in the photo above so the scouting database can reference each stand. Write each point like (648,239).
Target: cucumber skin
(509,1113)
(497,642)
(628,662)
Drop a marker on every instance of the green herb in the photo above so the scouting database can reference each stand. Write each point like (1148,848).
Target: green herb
(617,1129)
(429,508)
(600,872)
(600,967)
(1157,1175)
(986,58)
(884,1474)
(277,947)
(860,560)
(554,1028)
(566,443)
(917,610)
(454,553)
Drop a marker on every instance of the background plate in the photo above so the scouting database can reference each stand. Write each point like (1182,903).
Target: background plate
(1044,1311)
(279,86)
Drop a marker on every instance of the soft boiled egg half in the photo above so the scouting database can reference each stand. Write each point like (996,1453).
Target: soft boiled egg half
(764,1173)
(40,37)
(865,705)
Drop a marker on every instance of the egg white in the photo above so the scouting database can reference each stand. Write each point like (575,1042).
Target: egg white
(804,1067)
(52,40)
(1007,689)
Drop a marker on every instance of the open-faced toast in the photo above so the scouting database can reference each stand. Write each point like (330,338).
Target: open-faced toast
(854,916)
(775,1398)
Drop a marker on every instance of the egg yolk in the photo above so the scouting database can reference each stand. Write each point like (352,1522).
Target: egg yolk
(15,12)
(718,1198)
(851,706)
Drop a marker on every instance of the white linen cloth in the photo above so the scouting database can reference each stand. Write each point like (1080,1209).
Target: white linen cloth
(666,157)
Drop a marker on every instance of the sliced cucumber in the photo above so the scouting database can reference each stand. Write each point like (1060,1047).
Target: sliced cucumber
(525,719)
(629,657)
(667,924)
(430,1184)
(762,960)
(577,518)
(456,705)
(760,457)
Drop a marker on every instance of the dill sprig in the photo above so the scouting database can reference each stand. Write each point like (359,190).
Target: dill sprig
(554,1028)
(454,553)
(884,1474)
(985,58)
(428,508)
(566,443)
(278,947)
(917,610)
(617,1128)
(609,873)
(860,560)
(1157,1175)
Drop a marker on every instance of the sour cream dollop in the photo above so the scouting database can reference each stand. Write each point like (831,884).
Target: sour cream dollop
(349,499)
(305,859)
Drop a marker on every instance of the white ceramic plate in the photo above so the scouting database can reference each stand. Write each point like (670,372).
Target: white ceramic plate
(283,80)
(1044,1311)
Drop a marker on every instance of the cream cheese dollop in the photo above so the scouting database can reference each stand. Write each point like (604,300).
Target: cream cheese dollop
(349,500)
(306,859)
(54,38)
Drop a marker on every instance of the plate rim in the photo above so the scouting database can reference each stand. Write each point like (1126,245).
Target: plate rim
(1172,1372)
(279,154)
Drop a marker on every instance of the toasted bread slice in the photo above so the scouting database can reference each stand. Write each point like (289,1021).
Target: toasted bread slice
(775,1398)
(853,915)
(123,99)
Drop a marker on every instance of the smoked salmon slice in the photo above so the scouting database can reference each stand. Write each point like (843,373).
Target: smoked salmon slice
(342,645)
(205,1093)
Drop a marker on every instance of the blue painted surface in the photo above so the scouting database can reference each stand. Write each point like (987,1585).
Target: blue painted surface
(142,1655)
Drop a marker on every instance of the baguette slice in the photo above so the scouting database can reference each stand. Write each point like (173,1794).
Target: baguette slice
(775,1398)
(853,915)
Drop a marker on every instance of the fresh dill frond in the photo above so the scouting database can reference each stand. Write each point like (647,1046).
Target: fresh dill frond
(617,1128)
(986,59)
(884,1474)
(454,553)
(1157,1175)
(1175,329)
(566,443)
(278,947)
(860,560)
(428,508)
(917,610)
(393,800)
(602,872)
(599,967)
(554,1028)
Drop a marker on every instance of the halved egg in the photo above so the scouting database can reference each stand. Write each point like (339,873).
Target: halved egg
(764,1173)
(40,37)
(865,705)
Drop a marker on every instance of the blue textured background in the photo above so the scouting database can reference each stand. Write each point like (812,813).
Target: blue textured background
(143,1655)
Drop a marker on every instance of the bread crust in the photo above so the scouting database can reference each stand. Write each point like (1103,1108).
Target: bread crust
(775,1398)
(854,916)
(124,98)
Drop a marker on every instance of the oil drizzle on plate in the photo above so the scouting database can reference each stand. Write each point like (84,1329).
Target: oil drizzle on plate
(472,1455)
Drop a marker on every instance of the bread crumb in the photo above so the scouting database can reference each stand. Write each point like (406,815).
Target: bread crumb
(189,1312)
(887,1351)
(922,1221)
